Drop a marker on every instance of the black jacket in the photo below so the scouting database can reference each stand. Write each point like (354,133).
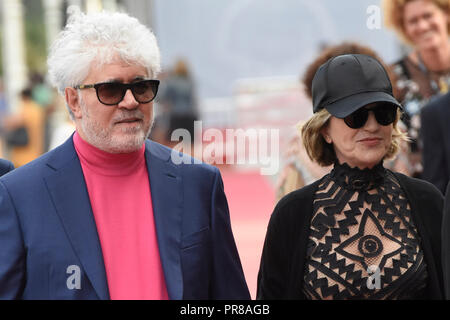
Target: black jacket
(435,134)
(282,263)
(446,243)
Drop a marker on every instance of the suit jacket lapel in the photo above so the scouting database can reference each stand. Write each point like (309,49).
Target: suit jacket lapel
(167,201)
(68,191)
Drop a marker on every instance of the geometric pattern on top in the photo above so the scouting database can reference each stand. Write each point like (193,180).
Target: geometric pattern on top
(363,243)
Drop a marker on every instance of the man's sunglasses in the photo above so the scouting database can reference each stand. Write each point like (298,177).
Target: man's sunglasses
(385,114)
(112,93)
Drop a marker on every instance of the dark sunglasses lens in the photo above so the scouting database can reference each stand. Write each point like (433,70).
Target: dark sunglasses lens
(357,119)
(145,91)
(385,114)
(110,93)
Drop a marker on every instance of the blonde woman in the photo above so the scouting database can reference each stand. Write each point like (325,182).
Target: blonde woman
(424,72)
(361,231)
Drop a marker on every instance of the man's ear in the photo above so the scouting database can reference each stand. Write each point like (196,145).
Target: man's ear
(73,101)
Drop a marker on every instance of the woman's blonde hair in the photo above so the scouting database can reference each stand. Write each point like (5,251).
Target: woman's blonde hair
(323,152)
(394,10)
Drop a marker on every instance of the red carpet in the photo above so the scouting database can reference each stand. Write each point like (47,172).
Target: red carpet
(251,201)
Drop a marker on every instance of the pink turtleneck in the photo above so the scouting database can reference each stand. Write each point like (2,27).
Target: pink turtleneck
(119,191)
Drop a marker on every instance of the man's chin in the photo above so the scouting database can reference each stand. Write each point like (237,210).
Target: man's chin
(126,143)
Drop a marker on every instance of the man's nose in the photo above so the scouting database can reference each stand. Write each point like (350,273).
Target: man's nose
(128,100)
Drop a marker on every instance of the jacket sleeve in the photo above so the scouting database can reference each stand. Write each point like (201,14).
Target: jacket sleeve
(12,252)
(285,247)
(434,165)
(446,243)
(427,205)
(228,277)
(432,213)
(273,269)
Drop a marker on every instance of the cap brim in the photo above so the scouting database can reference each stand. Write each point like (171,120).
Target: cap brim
(348,105)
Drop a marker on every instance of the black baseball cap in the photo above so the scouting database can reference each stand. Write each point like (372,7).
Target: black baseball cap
(348,82)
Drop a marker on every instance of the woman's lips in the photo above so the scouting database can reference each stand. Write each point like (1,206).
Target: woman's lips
(370,141)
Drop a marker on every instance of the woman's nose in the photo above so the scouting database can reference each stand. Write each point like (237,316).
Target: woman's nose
(371,123)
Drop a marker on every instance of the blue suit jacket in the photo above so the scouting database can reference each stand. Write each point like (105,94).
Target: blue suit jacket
(5,166)
(47,227)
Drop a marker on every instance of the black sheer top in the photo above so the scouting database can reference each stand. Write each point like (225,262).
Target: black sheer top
(363,242)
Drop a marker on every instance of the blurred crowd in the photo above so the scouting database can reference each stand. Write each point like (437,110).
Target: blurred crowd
(39,123)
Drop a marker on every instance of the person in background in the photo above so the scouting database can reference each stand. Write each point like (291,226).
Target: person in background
(435,134)
(424,72)
(43,95)
(178,100)
(64,126)
(31,118)
(362,231)
(108,214)
(3,101)
(299,169)
(5,166)
(3,112)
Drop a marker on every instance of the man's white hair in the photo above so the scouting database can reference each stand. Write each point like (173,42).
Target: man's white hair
(99,37)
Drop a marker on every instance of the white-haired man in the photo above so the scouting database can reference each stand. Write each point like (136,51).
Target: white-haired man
(107,215)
